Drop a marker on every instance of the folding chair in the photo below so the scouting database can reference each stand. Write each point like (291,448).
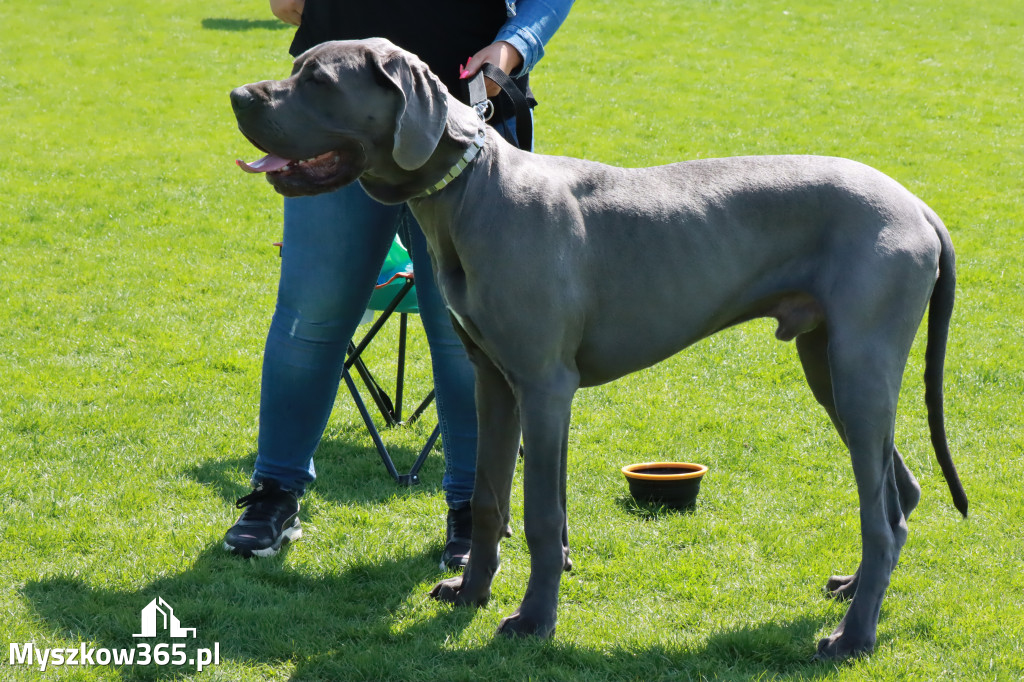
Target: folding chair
(395,292)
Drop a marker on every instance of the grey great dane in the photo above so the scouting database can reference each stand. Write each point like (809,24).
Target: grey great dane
(561,273)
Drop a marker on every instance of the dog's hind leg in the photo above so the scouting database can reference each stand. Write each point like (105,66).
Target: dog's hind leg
(812,347)
(545,409)
(866,366)
(843,587)
(497,451)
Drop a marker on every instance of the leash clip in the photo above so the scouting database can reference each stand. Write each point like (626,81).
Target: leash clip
(485,110)
(476,95)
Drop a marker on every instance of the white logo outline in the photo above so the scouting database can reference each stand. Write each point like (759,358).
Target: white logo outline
(170,621)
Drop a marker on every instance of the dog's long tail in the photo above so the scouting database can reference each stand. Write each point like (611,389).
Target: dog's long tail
(940,311)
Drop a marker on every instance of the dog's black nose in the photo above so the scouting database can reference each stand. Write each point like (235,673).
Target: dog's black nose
(242,98)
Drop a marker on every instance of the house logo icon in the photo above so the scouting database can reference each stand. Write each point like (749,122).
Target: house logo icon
(159,613)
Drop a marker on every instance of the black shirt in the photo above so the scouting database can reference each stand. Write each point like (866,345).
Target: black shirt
(443,33)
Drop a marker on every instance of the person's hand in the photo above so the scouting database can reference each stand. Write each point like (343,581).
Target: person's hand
(288,10)
(501,54)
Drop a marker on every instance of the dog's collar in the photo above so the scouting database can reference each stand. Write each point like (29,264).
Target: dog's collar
(456,170)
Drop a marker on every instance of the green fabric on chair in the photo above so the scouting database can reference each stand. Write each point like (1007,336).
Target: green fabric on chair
(391,280)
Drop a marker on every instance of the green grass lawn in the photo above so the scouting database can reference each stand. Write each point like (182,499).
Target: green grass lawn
(137,282)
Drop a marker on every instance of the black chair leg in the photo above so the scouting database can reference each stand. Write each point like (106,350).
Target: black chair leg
(385,456)
(390,411)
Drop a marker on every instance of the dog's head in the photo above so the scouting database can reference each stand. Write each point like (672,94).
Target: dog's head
(349,108)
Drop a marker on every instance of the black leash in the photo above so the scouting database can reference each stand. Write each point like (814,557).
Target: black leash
(476,95)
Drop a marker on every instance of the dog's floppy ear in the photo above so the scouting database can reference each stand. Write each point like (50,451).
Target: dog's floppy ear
(422,112)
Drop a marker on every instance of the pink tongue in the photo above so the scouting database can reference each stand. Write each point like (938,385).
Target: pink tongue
(268,164)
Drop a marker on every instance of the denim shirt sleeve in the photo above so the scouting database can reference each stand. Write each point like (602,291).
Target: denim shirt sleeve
(534,23)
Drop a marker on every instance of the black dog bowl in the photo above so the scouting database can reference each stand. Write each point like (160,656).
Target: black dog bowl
(671,484)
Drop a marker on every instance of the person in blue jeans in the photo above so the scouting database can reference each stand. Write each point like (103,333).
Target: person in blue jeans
(334,247)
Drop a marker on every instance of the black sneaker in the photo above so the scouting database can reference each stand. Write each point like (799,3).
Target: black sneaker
(270,519)
(456,548)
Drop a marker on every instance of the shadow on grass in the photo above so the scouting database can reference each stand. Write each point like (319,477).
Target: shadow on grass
(258,612)
(225,24)
(778,648)
(650,510)
(759,651)
(766,651)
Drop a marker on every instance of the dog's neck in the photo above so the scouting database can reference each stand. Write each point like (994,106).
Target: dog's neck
(460,143)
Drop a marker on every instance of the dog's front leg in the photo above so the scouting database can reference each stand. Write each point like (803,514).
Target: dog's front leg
(497,448)
(545,411)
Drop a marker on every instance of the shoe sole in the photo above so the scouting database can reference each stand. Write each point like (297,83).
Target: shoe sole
(293,532)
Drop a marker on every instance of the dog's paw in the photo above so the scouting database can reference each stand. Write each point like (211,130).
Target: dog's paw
(842,587)
(447,590)
(839,646)
(518,625)
(453,591)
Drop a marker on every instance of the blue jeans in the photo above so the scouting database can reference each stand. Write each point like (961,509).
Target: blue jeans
(334,246)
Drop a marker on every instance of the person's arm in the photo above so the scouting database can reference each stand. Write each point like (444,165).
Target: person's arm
(519,44)
(289,11)
(531,29)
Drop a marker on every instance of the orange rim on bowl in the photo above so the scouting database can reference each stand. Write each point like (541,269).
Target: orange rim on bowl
(686,470)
